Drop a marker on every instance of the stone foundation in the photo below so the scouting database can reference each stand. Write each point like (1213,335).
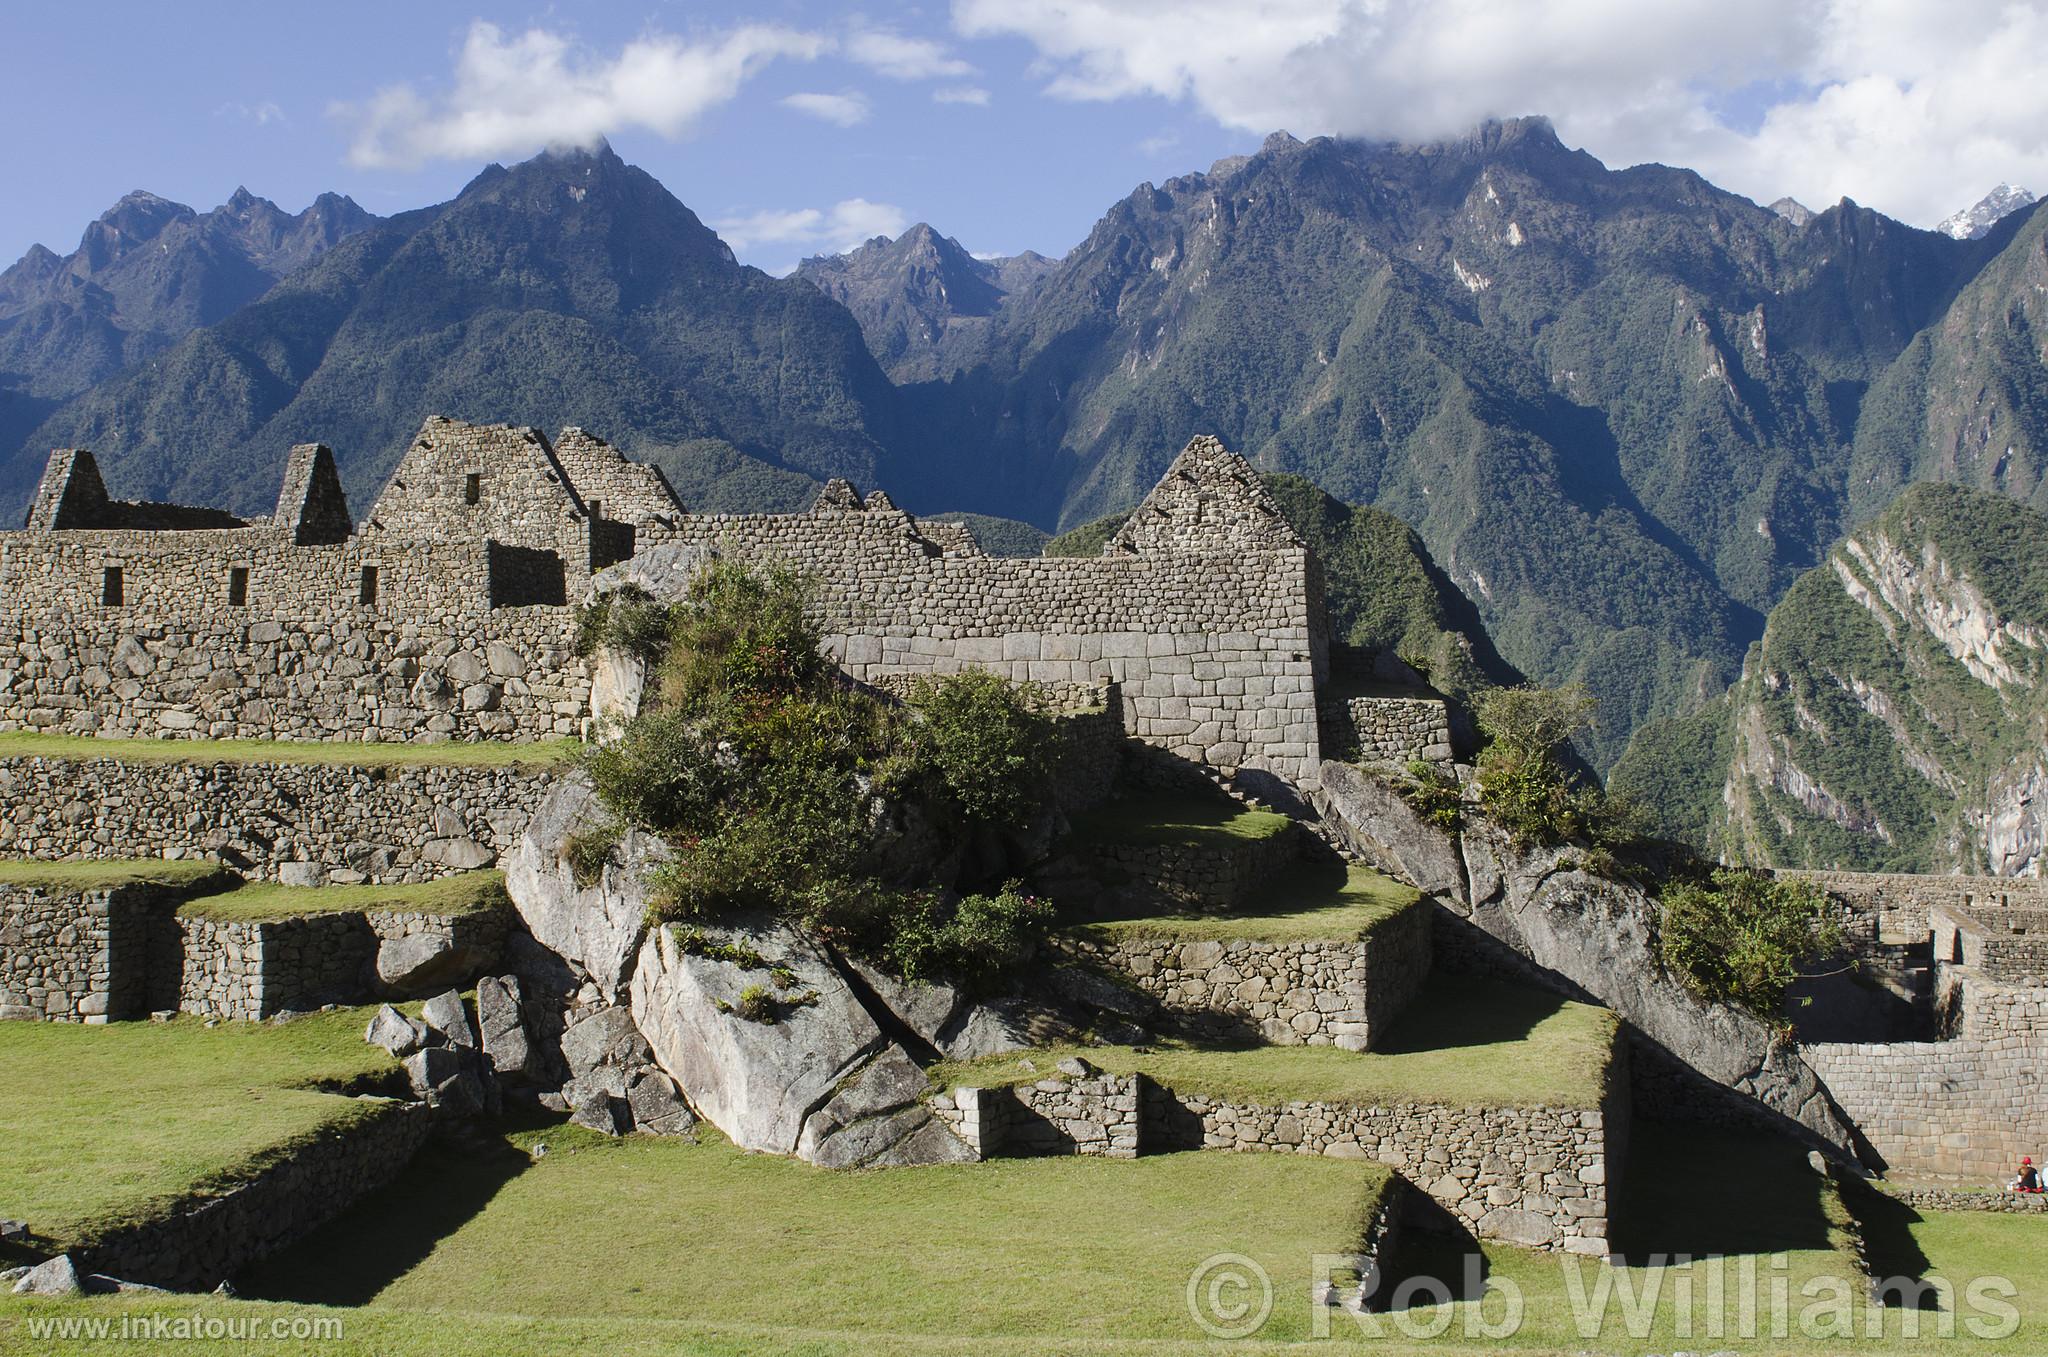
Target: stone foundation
(1217,873)
(304,823)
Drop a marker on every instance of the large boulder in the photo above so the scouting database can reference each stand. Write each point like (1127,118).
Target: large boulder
(597,925)
(416,964)
(1596,936)
(785,1056)
(603,1038)
(502,1027)
(945,1019)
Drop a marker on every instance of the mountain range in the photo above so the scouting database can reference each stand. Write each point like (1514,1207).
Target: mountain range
(1623,409)
(1894,717)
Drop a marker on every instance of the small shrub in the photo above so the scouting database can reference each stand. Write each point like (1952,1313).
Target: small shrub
(742,634)
(658,774)
(1434,794)
(984,744)
(1741,936)
(973,943)
(1524,782)
(627,619)
(588,850)
(756,1004)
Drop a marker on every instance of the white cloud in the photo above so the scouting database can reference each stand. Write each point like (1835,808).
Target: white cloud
(1914,108)
(511,95)
(264,114)
(901,58)
(812,230)
(961,94)
(844,109)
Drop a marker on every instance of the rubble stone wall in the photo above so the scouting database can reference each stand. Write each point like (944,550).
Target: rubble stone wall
(306,822)
(75,955)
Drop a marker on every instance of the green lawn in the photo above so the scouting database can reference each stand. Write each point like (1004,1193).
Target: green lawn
(1177,821)
(1461,1043)
(1310,902)
(1064,1248)
(16,744)
(105,875)
(463,893)
(99,1123)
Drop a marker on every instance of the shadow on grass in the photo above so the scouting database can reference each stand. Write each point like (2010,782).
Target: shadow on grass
(1701,1191)
(392,1230)
(1455,1010)
(1886,1224)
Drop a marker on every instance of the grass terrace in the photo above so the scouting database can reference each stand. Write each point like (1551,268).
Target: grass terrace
(1461,1043)
(261,901)
(1061,1250)
(109,1124)
(106,875)
(1177,822)
(1313,902)
(354,754)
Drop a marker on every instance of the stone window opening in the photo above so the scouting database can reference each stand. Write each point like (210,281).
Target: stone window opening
(111,587)
(473,487)
(238,586)
(366,591)
(596,509)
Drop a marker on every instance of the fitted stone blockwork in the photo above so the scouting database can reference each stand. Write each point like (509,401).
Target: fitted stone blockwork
(1376,728)
(1324,993)
(256,969)
(315,822)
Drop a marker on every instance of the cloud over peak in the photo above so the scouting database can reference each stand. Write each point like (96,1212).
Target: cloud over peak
(510,94)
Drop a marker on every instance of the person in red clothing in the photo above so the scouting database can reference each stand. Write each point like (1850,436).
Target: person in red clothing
(2028,1179)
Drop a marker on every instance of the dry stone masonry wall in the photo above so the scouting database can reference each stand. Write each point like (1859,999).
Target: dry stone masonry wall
(80,955)
(1343,993)
(1384,729)
(1209,621)
(256,969)
(302,822)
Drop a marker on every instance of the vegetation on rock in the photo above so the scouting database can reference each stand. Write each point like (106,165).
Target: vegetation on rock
(1742,937)
(788,790)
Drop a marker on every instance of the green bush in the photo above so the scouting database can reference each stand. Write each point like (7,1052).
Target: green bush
(761,767)
(588,851)
(1434,794)
(627,619)
(1525,783)
(1741,936)
(757,1004)
(984,745)
(972,941)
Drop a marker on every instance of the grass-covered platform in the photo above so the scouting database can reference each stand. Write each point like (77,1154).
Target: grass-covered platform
(1054,1250)
(90,875)
(1177,822)
(266,901)
(101,1125)
(1310,902)
(354,754)
(1461,1043)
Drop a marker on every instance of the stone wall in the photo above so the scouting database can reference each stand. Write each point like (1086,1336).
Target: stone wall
(199,1243)
(2008,944)
(1318,993)
(1536,1176)
(78,955)
(304,822)
(1969,1106)
(1948,1199)
(1210,622)
(1902,901)
(255,969)
(1378,728)
(1217,873)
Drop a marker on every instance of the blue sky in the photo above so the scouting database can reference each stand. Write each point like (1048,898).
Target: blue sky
(1009,124)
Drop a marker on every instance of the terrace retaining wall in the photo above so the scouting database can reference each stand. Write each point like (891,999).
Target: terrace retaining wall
(201,1243)
(304,823)
(78,955)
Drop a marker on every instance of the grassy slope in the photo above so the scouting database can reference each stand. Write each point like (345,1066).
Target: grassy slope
(1462,1043)
(463,893)
(92,876)
(479,754)
(99,1122)
(1313,902)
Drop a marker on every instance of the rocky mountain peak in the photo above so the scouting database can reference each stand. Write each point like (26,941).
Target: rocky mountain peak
(1975,222)
(1794,211)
